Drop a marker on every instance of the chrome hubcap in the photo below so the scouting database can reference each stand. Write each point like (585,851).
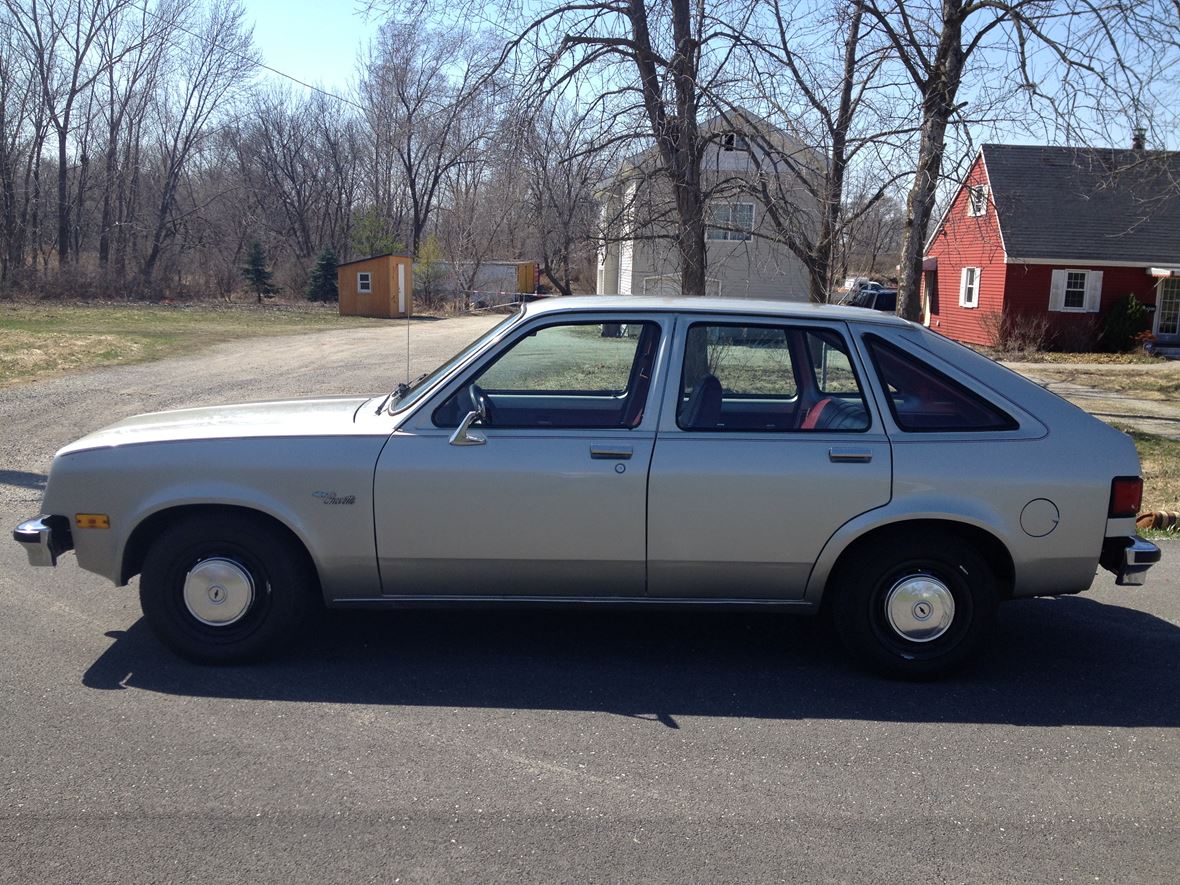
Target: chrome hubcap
(218,592)
(920,608)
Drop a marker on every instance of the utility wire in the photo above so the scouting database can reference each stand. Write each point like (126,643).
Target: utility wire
(247,58)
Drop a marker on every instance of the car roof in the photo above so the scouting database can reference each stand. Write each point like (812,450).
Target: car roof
(761,307)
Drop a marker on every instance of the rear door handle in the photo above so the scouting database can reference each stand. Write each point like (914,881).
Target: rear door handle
(843,454)
(600,451)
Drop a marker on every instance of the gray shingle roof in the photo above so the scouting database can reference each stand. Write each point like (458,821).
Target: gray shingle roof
(1087,204)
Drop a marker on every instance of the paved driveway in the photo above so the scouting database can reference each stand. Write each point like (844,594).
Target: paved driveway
(426,746)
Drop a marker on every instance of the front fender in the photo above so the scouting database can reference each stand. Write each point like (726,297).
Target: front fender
(320,489)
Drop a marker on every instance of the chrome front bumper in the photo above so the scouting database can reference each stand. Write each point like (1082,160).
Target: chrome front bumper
(44,539)
(1129,559)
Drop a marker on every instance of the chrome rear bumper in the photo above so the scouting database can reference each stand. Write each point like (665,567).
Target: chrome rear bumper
(44,539)
(1129,559)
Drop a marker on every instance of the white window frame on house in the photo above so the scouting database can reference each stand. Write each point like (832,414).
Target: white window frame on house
(723,213)
(1167,313)
(364,282)
(1090,287)
(977,195)
(969,293)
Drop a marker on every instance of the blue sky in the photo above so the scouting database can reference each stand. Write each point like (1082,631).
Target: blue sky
(314,40)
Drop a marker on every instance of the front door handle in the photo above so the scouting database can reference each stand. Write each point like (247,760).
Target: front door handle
(844,454)
(600,451)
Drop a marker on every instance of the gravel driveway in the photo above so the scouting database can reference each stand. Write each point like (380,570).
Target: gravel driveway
(38,419)
(552,746)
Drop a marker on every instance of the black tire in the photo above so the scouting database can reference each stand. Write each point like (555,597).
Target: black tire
(864,586)
(278,572)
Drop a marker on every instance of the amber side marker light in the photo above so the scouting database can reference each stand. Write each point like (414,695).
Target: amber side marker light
(1126,496)
(92,521)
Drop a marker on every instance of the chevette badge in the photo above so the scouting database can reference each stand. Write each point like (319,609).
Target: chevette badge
(333,498)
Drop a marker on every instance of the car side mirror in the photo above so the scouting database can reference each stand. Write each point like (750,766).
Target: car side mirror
(466,434)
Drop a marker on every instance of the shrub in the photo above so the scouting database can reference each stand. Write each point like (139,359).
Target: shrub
(1123,325)
(1017,332)
(1078,336)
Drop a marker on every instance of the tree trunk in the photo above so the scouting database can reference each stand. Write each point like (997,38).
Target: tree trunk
(937,107)
(63,199)
(821,263)
(104,232)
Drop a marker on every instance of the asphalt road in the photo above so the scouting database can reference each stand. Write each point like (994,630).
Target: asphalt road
(428,746)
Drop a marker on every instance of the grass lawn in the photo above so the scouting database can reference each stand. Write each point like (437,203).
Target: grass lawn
(1065,358)
(44,338)
(1161,382)
(1160,461)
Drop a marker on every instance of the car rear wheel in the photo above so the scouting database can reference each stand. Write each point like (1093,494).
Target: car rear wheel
(915,608)
(226,588)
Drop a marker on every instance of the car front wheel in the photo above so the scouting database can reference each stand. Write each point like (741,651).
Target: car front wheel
(915,609)
(223,588)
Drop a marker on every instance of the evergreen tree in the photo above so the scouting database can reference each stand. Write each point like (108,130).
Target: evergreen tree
(256,274)
(321,283)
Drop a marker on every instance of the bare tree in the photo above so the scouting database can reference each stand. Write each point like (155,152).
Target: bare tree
(820,71)
(1032,45)
(132,50)
(563,168)
(419,84)
(662,63)
(61,35)
(217,60)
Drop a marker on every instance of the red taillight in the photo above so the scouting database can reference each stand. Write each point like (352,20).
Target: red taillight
(1126,494)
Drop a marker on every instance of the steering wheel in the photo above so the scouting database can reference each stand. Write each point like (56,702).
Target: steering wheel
(480,402)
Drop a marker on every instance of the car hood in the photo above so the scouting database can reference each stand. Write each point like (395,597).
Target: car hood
(322,416)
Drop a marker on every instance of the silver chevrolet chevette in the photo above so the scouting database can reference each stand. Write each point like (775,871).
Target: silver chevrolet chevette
(622,451)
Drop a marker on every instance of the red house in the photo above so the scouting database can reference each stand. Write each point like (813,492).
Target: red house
(1059,233)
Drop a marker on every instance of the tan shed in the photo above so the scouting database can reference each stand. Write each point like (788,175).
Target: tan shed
(380,286)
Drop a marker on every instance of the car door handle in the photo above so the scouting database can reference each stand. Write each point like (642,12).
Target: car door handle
(600,451)
(842,455)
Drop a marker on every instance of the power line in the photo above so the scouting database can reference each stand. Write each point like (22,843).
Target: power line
(246,58)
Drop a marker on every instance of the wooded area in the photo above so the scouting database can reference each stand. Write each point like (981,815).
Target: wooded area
(144,149)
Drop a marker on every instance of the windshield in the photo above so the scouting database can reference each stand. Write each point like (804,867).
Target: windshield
(407,394)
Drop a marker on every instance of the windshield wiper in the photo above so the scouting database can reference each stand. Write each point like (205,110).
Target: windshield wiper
(398,392)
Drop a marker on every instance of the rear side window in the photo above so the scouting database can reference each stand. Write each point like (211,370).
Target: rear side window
(923,399)
(754,378)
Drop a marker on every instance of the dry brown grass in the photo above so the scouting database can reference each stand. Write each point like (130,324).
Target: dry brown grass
(1160,381)
(1159,459)
(38,339)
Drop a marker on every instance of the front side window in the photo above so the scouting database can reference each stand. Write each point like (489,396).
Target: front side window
(573,375)
(732,221)
(923,399)
(748,378)
(364,282)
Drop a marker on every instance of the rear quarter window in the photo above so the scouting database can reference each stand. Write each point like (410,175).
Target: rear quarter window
(924,400)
